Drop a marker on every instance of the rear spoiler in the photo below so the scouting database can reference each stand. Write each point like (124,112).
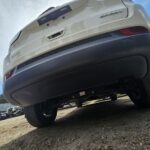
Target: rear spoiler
(54,14)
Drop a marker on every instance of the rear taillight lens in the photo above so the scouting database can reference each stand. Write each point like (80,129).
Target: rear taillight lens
(133,31)
(8,74)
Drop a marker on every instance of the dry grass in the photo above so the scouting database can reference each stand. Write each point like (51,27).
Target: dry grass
(109,125)
(11,129)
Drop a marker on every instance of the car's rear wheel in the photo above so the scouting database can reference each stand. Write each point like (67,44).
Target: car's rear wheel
(40,115)
(139,96)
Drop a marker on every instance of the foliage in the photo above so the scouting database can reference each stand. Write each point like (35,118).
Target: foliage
(2,99)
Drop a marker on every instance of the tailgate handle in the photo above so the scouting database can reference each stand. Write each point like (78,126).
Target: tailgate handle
(56,35)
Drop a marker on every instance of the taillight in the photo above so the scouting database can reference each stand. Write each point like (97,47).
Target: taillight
(8,74)
(133,31)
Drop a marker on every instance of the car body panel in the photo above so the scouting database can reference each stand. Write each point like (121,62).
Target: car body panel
(59,55)
(87,19)
(91,65)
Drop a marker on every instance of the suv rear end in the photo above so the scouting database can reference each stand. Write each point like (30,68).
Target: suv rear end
(80,50)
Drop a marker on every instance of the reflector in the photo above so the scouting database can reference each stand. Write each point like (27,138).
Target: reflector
(133,31)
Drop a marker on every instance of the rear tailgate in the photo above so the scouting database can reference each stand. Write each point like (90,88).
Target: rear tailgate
(63,25)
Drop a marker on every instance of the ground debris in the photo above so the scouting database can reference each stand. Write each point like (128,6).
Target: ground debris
(107,126)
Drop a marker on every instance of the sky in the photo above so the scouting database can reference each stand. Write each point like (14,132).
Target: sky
(15,14)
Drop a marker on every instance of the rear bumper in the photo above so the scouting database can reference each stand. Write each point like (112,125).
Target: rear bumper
(93,64)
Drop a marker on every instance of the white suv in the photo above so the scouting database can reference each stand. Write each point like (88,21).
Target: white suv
(82,50)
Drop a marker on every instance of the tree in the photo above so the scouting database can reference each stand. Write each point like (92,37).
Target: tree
(2,99)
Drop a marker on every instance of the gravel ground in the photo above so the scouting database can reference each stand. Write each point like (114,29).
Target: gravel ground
(105,126)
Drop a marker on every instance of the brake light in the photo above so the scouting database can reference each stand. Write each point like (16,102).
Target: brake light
(133,31)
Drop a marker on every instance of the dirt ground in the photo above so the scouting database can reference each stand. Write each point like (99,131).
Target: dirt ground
(104,126)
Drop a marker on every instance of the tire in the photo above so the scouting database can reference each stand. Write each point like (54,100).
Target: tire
(139,96)
(40,115)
